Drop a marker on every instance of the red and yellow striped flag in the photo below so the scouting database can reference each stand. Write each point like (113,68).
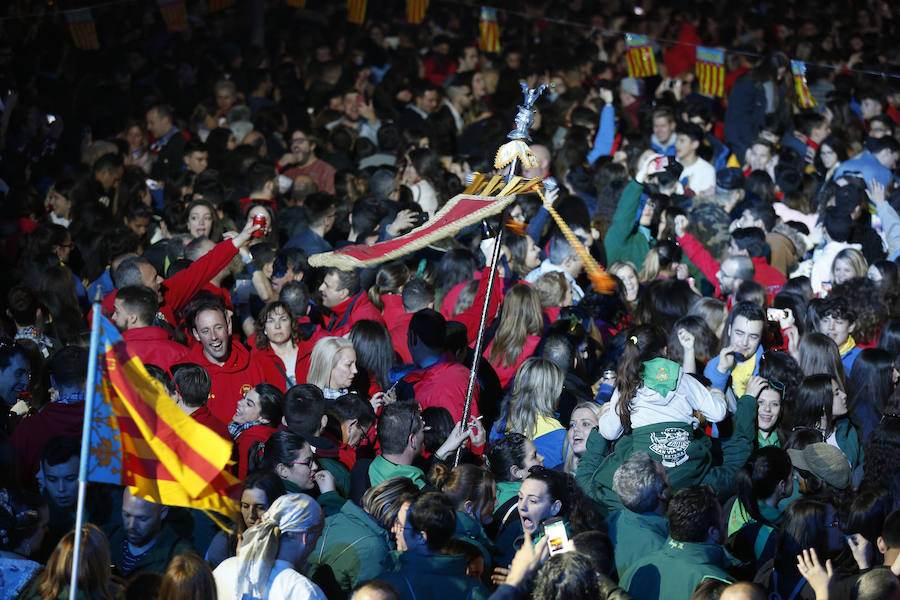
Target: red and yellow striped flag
(711,71)
(217,5)
(81,27)
(142,439)
(804,97)
(489,31)
(415,11)
(641,61)
(356,11)
(174,14)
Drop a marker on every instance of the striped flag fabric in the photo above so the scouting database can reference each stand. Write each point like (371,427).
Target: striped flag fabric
(415,11)
(489,31)
(142,439)
(641,61)
(710,69)
(81,26)
(174,14)
(356,11)
(804,97)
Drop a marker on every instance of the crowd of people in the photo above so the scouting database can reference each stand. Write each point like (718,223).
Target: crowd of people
(724,424)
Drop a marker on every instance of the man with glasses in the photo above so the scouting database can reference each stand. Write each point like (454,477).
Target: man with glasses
(302,160)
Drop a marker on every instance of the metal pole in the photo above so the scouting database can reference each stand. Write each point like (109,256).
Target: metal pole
(85,442)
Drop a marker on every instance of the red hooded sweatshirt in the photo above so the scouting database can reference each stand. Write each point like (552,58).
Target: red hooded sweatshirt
(230,381)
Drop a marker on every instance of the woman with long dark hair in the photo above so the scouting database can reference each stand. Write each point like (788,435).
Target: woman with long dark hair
(819,404)
(871,384)
(257,416)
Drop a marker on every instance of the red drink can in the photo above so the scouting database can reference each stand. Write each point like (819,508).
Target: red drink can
(261,221)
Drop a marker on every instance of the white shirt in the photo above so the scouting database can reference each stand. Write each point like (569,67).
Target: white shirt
(284,583)
(700,176)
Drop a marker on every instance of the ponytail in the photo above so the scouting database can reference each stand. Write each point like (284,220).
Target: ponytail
(644,342)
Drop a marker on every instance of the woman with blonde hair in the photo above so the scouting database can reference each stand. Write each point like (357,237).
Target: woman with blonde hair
(530,409)
(518,333)
(848,263)
(332,366)
(713,311)
(188,576)
(94,573)
(585,417)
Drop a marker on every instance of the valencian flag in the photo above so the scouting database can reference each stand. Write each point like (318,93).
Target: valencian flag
(174,14)
(217,5)
(142,439)
(415,11)
(804,97)
(356,11)
(641,62)
(81,26)
(711,71)
(489,31)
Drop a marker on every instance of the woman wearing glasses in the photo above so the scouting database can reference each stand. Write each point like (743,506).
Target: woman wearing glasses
(289,455)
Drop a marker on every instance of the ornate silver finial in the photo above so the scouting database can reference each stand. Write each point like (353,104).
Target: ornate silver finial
(525,116)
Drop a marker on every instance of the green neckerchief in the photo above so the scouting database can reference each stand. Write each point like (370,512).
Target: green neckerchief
(661,375)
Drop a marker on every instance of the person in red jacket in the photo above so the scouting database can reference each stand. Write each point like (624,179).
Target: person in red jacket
(257,416)
(230,366)
(279,347)
(349,303)
(135,309)
(175,292)
(417,294)
(192,385)
(436,378)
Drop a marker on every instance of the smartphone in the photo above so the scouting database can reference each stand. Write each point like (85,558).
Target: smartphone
(660,163)
(557,538)
(776,314)
(51,119)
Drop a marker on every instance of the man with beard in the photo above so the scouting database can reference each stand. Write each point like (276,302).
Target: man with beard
(302,160)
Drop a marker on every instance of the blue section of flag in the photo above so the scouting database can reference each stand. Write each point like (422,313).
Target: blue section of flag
(105,460)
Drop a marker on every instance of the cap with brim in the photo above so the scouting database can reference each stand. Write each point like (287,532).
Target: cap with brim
(825,462)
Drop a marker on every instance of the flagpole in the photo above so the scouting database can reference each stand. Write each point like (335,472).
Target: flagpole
(85,440)
(519,135)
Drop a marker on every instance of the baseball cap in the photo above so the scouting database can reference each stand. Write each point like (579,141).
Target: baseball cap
(825,461)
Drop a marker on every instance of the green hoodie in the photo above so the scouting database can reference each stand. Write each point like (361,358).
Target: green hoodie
(678,568)
(471,531)
(350,550)
(331,502)
(382,469)
(635,535)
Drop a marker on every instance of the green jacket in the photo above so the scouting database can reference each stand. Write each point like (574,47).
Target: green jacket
(433,577)
(848,441)
(678,568)
(350,550)
(340,472)
(623,240)
(635,535)
(471,531)
(692,463)
(382,469)
(168,545)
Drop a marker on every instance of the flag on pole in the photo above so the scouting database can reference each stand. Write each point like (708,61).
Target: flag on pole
(356,11)
(142,439)
(81,27)
(415,11)
(710,70)
(217,5)
(804,97)
(174,14)
(641,62)
(489,31)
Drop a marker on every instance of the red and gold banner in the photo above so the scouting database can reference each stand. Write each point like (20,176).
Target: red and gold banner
(81,27)
(415,11)
(710,70)
(641,61)
(174,14)
(804,97)
(356,11)
(489,31)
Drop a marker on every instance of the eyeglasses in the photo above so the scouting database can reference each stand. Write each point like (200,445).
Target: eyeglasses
(306,463)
